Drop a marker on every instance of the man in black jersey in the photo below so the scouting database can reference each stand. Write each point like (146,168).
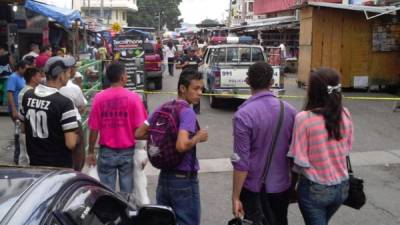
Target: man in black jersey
(50,118)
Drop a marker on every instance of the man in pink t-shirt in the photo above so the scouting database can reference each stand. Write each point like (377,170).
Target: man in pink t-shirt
(45,54)
(116,113)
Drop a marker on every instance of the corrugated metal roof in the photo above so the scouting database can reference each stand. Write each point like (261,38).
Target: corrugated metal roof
(267,22)
(362,8)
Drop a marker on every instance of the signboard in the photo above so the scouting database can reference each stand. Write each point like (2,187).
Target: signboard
(130,51)
(128,44)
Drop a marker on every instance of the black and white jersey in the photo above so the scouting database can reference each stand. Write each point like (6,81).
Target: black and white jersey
(47,115)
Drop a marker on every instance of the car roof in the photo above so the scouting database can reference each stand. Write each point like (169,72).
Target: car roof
(26,188)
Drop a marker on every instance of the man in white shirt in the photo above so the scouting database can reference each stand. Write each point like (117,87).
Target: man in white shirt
(34,51)
(74,92)
(170,51)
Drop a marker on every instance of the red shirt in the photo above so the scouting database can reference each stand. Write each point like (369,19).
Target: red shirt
(41,60)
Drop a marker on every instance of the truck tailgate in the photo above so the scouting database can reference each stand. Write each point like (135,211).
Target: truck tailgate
(234,76)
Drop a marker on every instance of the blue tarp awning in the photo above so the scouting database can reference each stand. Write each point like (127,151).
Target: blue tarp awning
(63,16)
(144,33)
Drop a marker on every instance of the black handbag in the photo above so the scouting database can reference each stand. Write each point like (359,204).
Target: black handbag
(239,221)
(357,197)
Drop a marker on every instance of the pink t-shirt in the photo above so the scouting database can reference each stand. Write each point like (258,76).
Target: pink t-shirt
(320,159)
(116,113)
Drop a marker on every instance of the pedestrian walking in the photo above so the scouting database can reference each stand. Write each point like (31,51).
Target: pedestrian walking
(78,79)
(5,62)
(170,54)
(191,61)
(102,52)
(178,187)
(34,51)
(262,129)
(322,139)
(115,115)
(33,77)
(45,54)
(15,84)
(74,92)
(49,117)
(93,50)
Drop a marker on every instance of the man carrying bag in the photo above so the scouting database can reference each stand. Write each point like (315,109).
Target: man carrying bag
(262,133)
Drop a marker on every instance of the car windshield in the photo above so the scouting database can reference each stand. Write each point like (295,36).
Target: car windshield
(11,188)
(243,55)
(13,183)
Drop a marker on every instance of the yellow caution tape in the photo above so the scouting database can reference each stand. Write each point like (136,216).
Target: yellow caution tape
(280,96)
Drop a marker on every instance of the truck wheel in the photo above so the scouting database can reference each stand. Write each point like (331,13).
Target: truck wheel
(158,83)
(214,102)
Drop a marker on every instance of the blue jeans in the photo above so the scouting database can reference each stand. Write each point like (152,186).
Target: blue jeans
(182,195)
(319,202)
(111,161)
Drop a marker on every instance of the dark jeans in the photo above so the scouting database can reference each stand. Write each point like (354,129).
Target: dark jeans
(319,202)
(171,66)
(256,205)
(181,193)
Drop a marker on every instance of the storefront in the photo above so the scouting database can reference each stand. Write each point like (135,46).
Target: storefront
(366,52)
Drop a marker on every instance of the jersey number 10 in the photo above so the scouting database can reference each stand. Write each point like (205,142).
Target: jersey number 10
(38,121)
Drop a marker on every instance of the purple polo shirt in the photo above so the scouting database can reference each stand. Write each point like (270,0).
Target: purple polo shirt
(187,122)
(253,127)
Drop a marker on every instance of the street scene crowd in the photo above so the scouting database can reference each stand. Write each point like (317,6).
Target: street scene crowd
(315,142)
(280,156)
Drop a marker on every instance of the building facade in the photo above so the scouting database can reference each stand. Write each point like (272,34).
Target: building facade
(114,11)
(242,12)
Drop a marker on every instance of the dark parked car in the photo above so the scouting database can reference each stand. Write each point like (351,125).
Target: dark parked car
(64,197)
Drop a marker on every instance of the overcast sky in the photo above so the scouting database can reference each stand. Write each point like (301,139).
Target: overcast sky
(194,11)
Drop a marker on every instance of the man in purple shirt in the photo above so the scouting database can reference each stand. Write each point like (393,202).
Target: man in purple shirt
(179,188)
(254,126)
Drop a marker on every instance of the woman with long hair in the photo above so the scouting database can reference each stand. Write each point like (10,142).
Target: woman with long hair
(322,139)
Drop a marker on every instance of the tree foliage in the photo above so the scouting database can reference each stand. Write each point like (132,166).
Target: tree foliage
(147,16)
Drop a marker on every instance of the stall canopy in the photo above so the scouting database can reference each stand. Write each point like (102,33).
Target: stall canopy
(143,33)
(63,16)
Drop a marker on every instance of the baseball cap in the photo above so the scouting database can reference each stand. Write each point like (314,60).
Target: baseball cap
(57,64)
(78,75)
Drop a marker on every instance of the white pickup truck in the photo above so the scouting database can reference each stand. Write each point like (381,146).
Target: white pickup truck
(225,70)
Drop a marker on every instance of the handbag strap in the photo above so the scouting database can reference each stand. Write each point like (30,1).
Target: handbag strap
(273,144)
(349,168)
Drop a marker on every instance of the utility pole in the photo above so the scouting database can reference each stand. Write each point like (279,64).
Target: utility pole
(102,9)
(230,14)
(159,22)
(89,8)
